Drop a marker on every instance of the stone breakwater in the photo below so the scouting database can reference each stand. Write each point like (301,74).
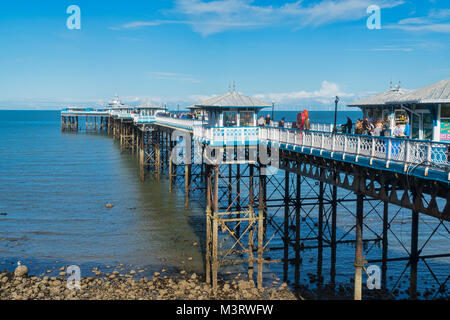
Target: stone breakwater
(126,287)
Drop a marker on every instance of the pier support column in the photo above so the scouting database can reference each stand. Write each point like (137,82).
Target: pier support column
(297,230)
(157,147)
(286,227)
(187,184)
(320,233)
(261,215)
(215,229)
(142,157)
(333,235)
(359,246)
(133,139)
(121,137)
(208,223)
(238,196)
(385,245)
(414,256)
(170,172)
(251,222)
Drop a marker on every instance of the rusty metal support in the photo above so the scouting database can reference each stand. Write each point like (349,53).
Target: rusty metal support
(286,227)
(359,246)
(298,204)
(414,255)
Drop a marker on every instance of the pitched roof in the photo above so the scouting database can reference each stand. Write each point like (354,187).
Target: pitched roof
(381,98)
(149,105)
(234,100)
(438,92)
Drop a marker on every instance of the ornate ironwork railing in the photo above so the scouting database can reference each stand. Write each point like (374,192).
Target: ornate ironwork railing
(407,151)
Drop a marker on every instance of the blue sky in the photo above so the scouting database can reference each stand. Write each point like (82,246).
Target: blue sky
(296,53)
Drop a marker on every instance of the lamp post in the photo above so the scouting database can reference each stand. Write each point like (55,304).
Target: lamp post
(273,108)
(335,113)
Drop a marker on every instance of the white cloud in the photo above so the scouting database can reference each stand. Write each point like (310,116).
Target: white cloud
(393,49)
(209,17)
(435,21)
(320,98)
(432,27)
(325,95)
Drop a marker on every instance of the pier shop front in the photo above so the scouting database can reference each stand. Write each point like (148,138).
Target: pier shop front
(426,111)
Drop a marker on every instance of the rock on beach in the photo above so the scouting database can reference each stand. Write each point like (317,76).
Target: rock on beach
(110,287)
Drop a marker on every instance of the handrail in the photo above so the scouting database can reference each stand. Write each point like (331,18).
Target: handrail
(389,149)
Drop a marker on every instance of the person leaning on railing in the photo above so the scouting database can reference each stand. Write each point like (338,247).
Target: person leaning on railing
(307,124)
(261,121)
(378,129)
(349,125)
(359,127)
(398,131)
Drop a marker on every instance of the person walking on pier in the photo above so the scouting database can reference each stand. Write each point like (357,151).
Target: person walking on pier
(378,129)
(359,127)
(349,125)
(398,131)
(268,120)
(261,121)
(306,123)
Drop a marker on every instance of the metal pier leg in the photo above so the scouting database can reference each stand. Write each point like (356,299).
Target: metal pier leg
(333,236)
(142,157)
(215,231)
(187,184)
(208,223)
(133,140)
(286,227)
(414,257)
(358,246)
(320,235)
(297,231)
(230,186)
(157,147)
(252,224)
(261,207)
(238,197)
(385,245)
(171,172)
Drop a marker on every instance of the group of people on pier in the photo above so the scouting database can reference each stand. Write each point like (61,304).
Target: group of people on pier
(377,128)
(303,122)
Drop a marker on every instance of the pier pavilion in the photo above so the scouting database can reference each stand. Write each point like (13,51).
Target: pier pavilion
(231,120)
(426,110)
(149,109)
(256,219)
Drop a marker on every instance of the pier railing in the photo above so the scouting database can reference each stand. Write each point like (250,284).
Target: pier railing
(187,124)
(121,114)
(325,127)
(226,135)
(415,152)
(423,153)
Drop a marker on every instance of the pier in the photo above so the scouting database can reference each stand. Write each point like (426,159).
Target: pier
(270,194)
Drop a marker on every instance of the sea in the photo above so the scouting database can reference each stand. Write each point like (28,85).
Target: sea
(54,187)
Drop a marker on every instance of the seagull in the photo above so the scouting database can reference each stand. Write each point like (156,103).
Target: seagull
(19,263)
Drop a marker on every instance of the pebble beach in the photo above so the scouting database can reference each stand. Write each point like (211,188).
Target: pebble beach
(115,285)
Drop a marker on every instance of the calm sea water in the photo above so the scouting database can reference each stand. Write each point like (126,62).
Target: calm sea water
(317,116)
(54,187)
